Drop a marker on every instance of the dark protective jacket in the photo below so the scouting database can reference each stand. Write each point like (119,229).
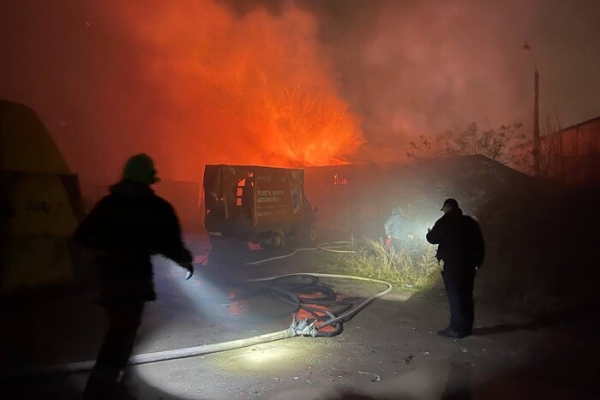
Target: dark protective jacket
(459,239)
(125,228)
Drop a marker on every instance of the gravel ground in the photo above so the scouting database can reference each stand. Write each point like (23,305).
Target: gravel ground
(388,350)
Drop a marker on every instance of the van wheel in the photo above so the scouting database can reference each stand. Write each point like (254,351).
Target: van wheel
(277,239)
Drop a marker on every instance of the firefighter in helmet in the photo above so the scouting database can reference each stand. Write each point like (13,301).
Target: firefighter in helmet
(124,229)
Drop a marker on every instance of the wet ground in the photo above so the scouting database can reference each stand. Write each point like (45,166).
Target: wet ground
(387,350)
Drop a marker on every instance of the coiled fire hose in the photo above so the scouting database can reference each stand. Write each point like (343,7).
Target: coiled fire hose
(302,327)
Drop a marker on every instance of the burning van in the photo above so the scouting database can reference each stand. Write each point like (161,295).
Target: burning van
(257,204)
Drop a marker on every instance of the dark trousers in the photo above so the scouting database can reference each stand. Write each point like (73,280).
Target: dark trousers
(124,320)
(458,281)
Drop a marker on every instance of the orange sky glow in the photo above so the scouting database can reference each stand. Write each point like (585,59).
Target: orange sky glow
(252,90)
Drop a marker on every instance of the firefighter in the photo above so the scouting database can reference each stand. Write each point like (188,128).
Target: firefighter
(124,229)
(461,247)
(397,229)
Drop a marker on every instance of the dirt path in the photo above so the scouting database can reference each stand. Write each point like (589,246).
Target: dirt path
(388,350)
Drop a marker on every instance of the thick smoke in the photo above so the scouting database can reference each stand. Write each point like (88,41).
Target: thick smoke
(419,67)
(289,82)
(189,82)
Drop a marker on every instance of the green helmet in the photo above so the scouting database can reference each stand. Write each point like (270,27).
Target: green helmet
(140,168)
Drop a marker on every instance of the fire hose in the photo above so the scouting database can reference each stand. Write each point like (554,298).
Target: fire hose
(298,327)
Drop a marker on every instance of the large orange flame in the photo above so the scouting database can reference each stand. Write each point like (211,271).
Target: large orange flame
(251,90)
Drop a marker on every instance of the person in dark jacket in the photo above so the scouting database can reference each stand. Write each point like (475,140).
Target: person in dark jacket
(462,248)
(124,229)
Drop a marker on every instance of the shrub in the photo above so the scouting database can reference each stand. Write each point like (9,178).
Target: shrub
(415,267)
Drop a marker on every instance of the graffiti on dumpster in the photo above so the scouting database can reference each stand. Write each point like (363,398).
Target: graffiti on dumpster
(43,207)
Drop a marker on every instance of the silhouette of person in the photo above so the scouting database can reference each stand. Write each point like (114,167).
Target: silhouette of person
(397,229)
(462,248)
(124,229)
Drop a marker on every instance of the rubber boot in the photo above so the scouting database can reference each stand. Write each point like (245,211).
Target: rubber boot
(102,383)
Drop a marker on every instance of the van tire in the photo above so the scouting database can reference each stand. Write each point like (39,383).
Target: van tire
(277,240)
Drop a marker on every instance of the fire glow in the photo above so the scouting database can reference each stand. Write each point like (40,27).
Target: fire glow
(253,89)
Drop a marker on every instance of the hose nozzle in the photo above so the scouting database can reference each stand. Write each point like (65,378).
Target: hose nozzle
(302,327)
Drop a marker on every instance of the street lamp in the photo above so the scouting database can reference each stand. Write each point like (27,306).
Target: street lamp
(536,114)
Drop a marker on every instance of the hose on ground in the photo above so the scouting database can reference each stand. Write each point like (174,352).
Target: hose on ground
(348,315)
(161,355)
(332,247)
(302,328)
(335,247)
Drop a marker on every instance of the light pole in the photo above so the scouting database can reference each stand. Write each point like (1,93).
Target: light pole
(536,114)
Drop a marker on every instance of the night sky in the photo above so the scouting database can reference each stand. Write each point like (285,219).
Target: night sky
(190,81)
